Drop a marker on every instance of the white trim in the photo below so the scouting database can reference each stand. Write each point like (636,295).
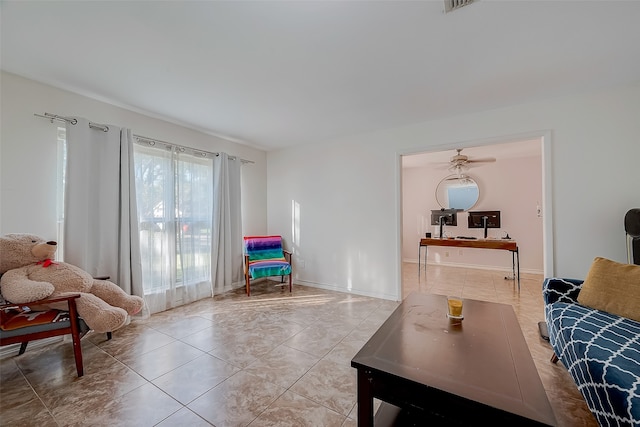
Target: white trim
(547,206)
(351,290)
(398,296)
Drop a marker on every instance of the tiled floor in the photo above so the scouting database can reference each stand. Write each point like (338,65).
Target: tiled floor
(274,359)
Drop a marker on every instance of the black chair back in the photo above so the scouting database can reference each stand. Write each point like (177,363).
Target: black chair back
(632,228)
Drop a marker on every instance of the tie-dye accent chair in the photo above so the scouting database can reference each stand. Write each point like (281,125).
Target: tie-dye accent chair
(264,257)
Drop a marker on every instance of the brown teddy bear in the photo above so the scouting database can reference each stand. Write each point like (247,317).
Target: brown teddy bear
(29,274)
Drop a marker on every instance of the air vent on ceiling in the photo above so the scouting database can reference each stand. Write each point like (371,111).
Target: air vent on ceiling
(451,5)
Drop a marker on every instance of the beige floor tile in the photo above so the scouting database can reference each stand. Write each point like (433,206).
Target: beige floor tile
(275,358)
(182,327)
(145,406)
(292,410)
(283,365)
(158,362)
(317,339)
(194,378)
(133,340)
(237,401)
(210,338)
(245,348)
(329,384)
(30,413)
(14,387)
(344,351)
(184,418)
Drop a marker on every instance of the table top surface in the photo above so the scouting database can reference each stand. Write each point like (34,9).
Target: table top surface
(484,358)
(506,244)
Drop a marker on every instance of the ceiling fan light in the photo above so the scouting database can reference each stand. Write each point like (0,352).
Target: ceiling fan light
(458,169)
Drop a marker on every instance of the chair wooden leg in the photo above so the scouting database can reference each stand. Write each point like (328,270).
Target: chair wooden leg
(248,286)
(23,347)
(554,358)
(290,274)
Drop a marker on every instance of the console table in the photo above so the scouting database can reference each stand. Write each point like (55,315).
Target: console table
(430,371)
(502,244)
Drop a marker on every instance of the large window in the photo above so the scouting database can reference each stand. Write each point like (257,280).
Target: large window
(174,192)
(157,231)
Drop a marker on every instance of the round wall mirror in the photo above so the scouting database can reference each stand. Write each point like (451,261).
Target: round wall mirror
(457,192)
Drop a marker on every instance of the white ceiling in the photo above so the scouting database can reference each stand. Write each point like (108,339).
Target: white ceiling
(275,74)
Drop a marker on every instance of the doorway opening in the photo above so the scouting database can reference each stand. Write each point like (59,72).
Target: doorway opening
(516,184)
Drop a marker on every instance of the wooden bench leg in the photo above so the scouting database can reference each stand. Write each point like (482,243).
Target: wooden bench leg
(75,337)
(23,347)
(77,353)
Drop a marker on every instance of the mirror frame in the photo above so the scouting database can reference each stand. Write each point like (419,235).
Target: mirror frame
(441,187)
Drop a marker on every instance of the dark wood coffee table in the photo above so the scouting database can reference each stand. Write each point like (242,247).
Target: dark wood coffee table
(427,370)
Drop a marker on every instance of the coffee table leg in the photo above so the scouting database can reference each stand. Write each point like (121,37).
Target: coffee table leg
(365,399)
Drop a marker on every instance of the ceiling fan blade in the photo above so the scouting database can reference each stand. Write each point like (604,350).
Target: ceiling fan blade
(482,160)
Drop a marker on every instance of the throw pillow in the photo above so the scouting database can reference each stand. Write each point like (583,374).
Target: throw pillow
(612,287)
(33,318)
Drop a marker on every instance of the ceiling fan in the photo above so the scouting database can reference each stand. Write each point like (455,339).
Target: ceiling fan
(461,159)
(461,162)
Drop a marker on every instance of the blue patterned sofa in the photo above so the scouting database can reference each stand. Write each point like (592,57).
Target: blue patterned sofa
(600,350)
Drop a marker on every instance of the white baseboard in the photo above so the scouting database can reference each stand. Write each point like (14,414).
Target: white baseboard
(474,266)
(348,291)
(12,349)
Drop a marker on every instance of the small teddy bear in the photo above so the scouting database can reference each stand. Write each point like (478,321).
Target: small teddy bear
(29,274)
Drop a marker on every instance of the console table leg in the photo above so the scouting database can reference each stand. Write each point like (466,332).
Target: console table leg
(515,261)
(518,260)
(419,247)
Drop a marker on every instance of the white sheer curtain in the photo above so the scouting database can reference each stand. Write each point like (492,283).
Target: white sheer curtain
(100,231)
(174,209)
(226,259)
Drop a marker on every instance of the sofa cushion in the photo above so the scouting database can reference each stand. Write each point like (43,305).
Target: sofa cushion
(602,353)
(612,287)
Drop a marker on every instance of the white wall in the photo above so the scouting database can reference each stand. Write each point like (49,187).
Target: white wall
(28,154)
(349,190)
(512,186)
(347,231)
